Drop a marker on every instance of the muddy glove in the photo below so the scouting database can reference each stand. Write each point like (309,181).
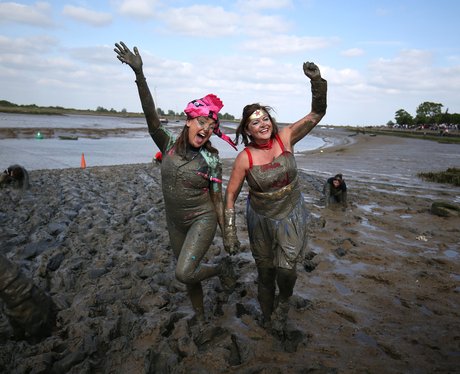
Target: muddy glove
(318,87)
(127,57)
(231,242)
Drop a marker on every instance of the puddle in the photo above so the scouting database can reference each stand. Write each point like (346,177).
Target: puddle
(365,223)
(450,253)
(368,207)
(425,310)
(344,291)
(406,216)
(365,339)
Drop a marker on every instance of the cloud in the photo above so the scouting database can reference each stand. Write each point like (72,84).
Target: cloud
(202,20)
(137,8)
(261,25)
(38,14)
(87,16)
(284,44)
(352,52)
(26,46)
(264,4)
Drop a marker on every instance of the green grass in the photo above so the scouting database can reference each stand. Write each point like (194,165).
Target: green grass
(450,176)
(451,138)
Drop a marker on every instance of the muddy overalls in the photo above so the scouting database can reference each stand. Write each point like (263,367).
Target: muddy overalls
(190,213)
(277,225)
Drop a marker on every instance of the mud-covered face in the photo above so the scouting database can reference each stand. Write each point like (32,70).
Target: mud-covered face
(200,130)
(336,183)
(260,126)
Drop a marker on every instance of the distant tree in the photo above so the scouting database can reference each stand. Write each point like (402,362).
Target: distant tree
(226,116)
(403,118)
(5,103)
(123,110)
(390,124)
(428,113)
(171,113)
(454,119)
(101,109)
(160,112)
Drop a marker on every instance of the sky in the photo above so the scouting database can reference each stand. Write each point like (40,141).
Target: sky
(378,56)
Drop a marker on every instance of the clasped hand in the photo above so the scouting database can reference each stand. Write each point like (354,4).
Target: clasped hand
(231,244)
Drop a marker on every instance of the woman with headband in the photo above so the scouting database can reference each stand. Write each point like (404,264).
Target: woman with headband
(191,174)
(276,213)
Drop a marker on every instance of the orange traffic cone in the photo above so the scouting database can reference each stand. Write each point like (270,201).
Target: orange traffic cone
(83,162)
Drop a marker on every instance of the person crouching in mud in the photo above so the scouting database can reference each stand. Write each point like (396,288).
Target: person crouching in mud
(335,191)
(191,174)
(276,214)
(16,176)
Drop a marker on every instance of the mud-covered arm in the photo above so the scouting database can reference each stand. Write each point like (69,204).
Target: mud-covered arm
(327,192)
(302,127)
(344,199)
(216,196)
(134,60)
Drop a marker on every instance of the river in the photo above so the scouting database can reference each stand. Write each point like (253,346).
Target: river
(127,143)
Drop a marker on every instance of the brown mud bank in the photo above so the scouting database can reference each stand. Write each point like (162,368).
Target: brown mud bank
(378,292)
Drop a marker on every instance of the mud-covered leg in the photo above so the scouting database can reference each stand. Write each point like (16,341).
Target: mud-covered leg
(266,292)
(195,293)
(286,279)
(28,308)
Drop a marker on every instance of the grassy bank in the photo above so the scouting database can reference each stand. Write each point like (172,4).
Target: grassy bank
(451,138)
(32,109)
(450,176)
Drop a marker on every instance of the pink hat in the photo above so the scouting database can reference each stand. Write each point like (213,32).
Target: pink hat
(208,106)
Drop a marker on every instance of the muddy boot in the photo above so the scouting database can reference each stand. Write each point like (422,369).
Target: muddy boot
(227,275)
(286,279)
(195,293)
(279,318)
(266,293)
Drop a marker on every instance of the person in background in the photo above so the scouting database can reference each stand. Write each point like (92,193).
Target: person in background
(16,176)
(276,214)
(335,191)
(191,174)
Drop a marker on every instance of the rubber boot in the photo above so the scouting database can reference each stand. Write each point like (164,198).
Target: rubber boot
(266,292)
(195,293)
(286,279)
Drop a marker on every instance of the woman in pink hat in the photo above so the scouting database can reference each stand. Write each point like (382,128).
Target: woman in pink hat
(191,174)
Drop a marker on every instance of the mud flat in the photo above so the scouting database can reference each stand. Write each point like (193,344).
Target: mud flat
(378,292)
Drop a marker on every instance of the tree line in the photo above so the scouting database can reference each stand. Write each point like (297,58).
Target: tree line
(427,113)
(169,114)
(7,106)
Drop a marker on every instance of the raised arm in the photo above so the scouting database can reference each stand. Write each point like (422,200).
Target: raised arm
(293,133)
(134,60)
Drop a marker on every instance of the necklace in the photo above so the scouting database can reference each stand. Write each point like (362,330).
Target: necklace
(265,146)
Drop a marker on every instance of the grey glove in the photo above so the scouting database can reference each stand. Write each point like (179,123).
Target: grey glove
(231,242)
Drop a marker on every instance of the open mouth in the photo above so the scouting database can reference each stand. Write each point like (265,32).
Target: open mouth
(201,137)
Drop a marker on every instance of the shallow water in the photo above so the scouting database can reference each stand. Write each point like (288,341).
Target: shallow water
(395,164)
(134,147)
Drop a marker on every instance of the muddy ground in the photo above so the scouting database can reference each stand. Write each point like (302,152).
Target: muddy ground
(378,291)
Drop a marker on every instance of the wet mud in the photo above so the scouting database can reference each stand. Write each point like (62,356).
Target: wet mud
(378,291)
